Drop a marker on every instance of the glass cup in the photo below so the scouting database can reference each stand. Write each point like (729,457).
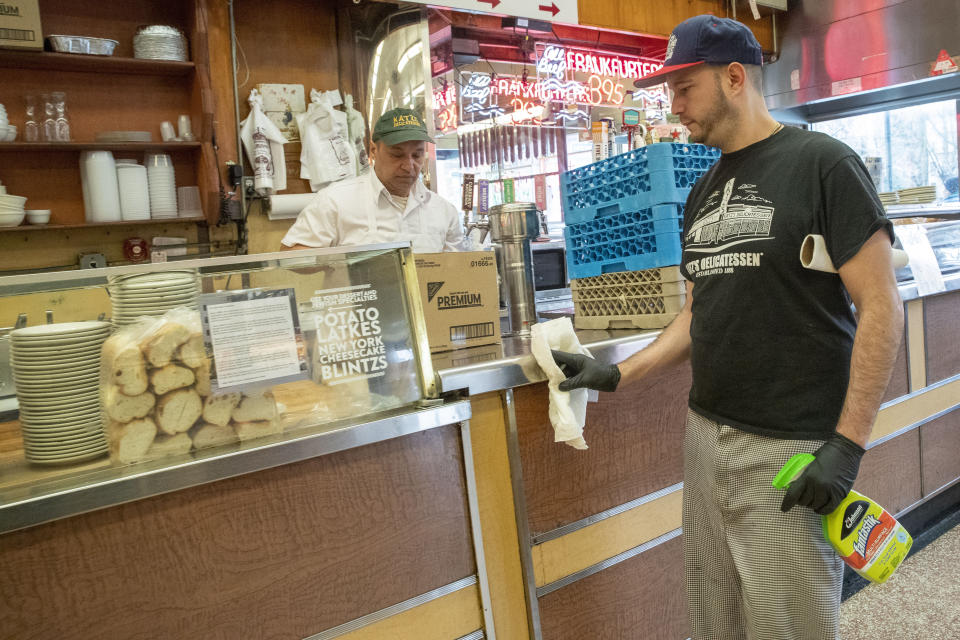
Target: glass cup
(62,123)
(31,127)
(49,126)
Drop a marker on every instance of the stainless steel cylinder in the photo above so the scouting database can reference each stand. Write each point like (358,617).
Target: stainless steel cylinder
(512,227)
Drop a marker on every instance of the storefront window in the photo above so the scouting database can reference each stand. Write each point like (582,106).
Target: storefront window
(909,147)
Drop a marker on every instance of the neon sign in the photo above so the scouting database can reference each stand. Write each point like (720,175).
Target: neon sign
(557,61)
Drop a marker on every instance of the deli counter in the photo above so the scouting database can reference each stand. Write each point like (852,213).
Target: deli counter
(429,502)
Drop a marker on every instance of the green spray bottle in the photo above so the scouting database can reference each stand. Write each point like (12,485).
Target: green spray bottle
(863,533)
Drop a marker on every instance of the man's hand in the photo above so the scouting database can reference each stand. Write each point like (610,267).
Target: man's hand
(827,480)
(582,371)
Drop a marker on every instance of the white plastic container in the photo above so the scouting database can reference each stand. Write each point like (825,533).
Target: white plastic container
(134,194)
(101,195)
(161,182)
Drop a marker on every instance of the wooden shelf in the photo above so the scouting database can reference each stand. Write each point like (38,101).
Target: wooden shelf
(99,146)
(93,64)
(87,225)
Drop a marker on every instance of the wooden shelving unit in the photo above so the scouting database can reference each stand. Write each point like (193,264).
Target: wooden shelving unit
(123,223)
(47,60)
(99,146)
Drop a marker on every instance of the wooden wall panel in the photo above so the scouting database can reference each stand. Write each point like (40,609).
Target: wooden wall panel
(890,472)
(642,597)
(940,451)
(942,323)
(283,553)
(899,380)
(659,18)
(635,447)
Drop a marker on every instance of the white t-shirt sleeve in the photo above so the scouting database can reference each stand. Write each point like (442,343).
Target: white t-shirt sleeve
(454,238)
(316,225)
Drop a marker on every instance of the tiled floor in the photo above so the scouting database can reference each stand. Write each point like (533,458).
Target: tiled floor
(920,601)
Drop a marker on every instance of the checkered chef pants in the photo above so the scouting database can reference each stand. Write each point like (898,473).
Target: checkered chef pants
(752,572)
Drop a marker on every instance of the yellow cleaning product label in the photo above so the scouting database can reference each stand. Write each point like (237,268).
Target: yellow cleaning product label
(862,532)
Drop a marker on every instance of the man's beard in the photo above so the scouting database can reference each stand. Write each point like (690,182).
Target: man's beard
(721,114)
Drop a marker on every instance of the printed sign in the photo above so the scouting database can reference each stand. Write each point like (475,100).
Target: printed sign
(483,196)
(254,336)
(467,204)
(547,10)
(508,194)
(349,341)
(540,191)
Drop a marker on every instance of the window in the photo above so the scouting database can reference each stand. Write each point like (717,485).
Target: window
(908,147)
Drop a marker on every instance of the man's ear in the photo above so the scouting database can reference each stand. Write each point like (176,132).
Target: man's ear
(735,77)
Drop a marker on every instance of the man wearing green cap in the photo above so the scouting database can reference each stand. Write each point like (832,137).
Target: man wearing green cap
(388,204)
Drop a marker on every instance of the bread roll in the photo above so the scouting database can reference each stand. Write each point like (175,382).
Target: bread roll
(178,410)
(213,435)
(123,361)
(170,446)
(256,429)
(203,378)
(134,439)
(192,352)
(124,408)
(218,409)
(160,346)
(256,407)
(170,377)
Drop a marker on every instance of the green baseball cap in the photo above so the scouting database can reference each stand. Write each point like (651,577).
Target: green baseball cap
(400,125)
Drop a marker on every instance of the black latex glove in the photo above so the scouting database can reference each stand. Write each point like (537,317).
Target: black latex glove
(582,371)
(827,480)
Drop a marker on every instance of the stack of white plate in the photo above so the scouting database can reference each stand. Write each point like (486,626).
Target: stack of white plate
(918,195)
(162,186)
(888,198)
(151,294)
(160,42)
(56,368)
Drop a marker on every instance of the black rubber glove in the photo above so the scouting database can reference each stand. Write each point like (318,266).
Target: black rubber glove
(827,480)
(582,371)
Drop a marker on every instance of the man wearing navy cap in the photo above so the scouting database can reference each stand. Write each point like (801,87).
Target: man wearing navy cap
(780,363)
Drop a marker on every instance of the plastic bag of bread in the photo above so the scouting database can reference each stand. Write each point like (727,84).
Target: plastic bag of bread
(156,394)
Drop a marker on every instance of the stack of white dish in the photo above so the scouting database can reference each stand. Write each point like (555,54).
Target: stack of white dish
(888,198)
(134,194)
(160,42)
(101,194)
(162,185)
(8,132)
(11,208)
(918,195)
(56,368)
(151,294)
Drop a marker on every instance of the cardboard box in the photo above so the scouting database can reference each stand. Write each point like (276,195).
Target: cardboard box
(20,25)
(460,298)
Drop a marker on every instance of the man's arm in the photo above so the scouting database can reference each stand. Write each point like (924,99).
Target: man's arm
(316,224)
(296,247)
(870,280)
(670,347)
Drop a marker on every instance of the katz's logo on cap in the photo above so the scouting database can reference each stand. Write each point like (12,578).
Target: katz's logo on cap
(406,121)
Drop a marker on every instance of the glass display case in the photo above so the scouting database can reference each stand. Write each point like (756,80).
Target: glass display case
(178,373)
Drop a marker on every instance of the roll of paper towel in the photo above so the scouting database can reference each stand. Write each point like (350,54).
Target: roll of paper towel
(289,205)
(813,255)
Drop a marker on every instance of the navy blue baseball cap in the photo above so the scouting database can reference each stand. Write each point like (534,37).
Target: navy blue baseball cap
(706,39)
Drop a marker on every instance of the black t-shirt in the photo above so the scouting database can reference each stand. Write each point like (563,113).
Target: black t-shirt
(771,341)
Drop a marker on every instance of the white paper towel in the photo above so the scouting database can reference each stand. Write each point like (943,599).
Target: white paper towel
(813,255)
(289,205)
(568,410)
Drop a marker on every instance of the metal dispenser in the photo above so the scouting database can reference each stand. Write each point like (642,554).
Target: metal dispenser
(512,227)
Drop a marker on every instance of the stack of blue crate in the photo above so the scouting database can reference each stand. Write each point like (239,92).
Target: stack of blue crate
(626,213)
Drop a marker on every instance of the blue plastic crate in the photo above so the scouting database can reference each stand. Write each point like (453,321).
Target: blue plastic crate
(631,254)
(624,226)
(634,180)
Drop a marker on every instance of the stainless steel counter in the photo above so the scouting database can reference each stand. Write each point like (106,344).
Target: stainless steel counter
(103,485)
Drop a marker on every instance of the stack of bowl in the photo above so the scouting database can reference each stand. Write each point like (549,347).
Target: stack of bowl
(8,132)
(56,369)
(11,208)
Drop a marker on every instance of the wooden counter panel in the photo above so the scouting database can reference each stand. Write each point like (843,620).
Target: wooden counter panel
(283,553)
(899,380)
(635,441)
(942,323)
(940,444)
(890,472)
(642,597)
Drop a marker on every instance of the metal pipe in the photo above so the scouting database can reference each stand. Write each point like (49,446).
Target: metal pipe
(236,104)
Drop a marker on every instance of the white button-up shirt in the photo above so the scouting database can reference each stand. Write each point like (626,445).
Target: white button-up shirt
(360,210)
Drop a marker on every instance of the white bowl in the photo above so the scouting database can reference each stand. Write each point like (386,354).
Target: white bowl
(38,216)
(12,202)
(11,219)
